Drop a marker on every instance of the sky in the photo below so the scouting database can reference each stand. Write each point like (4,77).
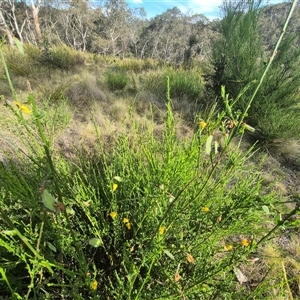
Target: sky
(209,8)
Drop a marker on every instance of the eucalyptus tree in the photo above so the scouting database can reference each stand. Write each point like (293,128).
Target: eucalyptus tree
(14,18)
(69,21)
(114,26)
(20,19)
(5,28)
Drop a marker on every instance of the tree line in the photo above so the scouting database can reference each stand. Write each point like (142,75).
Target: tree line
(110,27)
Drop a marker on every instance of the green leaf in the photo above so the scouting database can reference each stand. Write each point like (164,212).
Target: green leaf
(223,91)
(19,46)
(51,246)
(118,178)
(208,145)
(48,200)
(95,242)
(168,253)
(266,209)
(17,296)
(216,147)
(9,232)
(277,218)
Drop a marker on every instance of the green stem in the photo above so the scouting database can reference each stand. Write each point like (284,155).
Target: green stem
(280,223)
(24,240)
(56,181)
(7,75)
(146,279)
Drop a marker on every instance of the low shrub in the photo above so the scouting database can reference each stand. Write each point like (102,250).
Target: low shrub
(137,65)
(131,64)
(117,80)
(61,57)
(18,63)
(183,84)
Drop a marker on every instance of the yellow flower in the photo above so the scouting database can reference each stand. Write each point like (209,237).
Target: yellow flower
(94,285)
(22,107)
(113,214)
(127,223)
(162,230)
(245,242)
(205,209)
(202,124)
(114,187)
(228,247)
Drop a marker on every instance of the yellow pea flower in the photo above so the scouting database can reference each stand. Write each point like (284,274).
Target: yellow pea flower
(113,214)
(114,187)
(22,107)
(202,124)
(162,230)
(127,223)
(228,247)
(205,209)
(94,285)
(245,242)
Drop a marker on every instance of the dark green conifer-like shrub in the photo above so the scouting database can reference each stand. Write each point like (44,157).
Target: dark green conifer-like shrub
(239,58)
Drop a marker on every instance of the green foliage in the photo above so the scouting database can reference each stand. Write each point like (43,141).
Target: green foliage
(117,80)
(240,58)
(148,212)
(153,217)
(33,52)
(275,109)
(137,65)
(183,83)
(18,63)
(56,93)
(60,57)
(131,64)
(30,63)
(236,53)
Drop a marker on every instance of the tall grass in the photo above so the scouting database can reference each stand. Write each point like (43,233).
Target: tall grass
(183,84)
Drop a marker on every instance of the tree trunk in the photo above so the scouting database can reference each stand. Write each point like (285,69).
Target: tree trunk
(5,29)
(35,15)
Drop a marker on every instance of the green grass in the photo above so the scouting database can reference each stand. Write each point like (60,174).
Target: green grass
(116,80)
(183,83)
(151,217)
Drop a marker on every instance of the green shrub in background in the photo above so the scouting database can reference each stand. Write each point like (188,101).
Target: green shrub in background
(183,83)
(131,64)
(137,65)
(29,63)
(33,52)
(18,63)
(238,57)
(60,57)
(117,80)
